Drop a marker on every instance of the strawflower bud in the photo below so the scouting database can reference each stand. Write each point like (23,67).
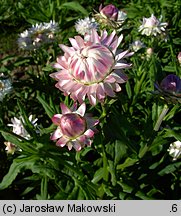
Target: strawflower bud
(109,11)
(170,88)
(74,127)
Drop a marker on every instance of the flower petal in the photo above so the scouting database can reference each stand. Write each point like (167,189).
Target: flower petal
(62,141)
(56,119)
(81,109)
(64,109)
(89,133)
(56,134)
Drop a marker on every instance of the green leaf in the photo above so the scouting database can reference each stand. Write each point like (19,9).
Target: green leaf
(143,150)
(75,6)
(128,162)
(112,171)
(22,143)
(128,89)
(27,123)
(170,168)
(143,196)
(44,187)
(120,151)
(22,61)
(169,69)
(99,174)
(18,165)
(49,110)
(126,188)
(171,133)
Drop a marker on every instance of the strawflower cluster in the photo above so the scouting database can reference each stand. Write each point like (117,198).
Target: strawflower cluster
(91,68)
(38,35)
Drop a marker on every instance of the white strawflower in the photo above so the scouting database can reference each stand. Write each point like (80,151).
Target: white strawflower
(18,127)
(10,148)
(136,45)
(5,86)
(175,150)
(37,35)
(152,26)
(84,26)
(122,16)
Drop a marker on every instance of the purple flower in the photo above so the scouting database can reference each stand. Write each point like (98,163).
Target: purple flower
(110,17)
(170,88)
(171,84)
(109,11)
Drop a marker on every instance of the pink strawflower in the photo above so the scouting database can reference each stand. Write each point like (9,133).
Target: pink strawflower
(74,127)
(91,67)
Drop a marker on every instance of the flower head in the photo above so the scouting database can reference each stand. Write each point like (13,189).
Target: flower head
(10,148)
(5,86)
(122,16)
(37,35)
(91,67)
(175,150)
(18,127)
(136,45)
(84,26)
(170,88)
(152,26)
(74,127)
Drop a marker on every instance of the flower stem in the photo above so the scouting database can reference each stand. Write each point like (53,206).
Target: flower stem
(161,117)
